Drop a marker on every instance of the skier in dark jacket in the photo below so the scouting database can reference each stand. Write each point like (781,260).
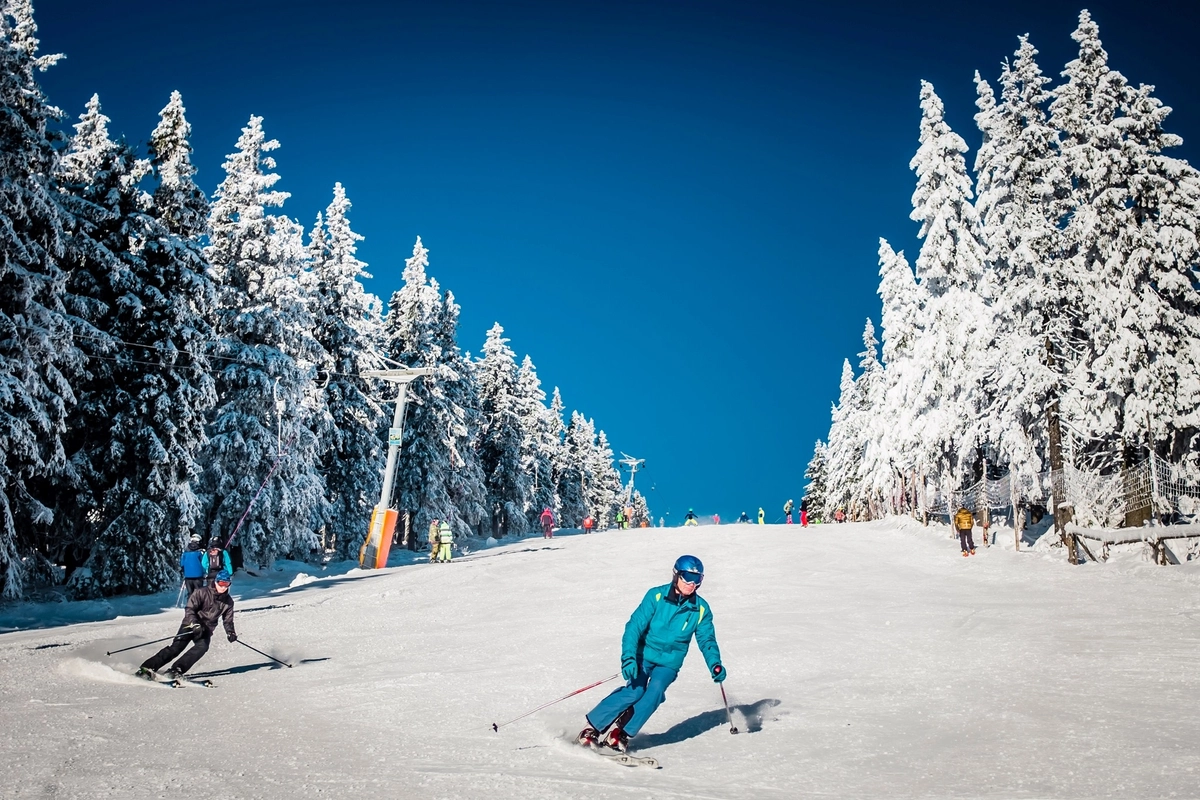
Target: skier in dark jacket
(191,562)
(205,608)
(656,640)
(215,560)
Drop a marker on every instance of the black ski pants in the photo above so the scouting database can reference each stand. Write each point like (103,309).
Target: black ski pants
(965,539)
(192,584)
(199,642)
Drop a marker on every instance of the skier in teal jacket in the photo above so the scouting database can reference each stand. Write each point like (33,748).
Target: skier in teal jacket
(655,643)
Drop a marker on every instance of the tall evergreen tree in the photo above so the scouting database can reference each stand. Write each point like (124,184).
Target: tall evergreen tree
(575,474)
(268,358)
(538,443)
(816,472)
(37,355)
(500,433)
(843,452)
(135,431)
(348,324)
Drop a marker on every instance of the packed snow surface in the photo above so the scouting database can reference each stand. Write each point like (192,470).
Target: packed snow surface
(865,660)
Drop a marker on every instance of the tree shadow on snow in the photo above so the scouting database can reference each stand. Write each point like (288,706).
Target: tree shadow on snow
(701,723)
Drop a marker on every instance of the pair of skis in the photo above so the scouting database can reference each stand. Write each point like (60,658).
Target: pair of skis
(625,759)
(177,682)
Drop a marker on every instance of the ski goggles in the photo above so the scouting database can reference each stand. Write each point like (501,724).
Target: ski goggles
(223,583)
(694,578)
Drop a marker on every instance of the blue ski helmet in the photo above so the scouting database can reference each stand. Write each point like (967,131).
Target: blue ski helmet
(690,568)
(224,577)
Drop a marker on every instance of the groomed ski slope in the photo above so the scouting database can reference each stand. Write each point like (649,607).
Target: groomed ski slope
(866,660)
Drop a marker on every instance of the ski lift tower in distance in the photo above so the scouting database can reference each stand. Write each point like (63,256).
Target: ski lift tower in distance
(374,552)
(633,465)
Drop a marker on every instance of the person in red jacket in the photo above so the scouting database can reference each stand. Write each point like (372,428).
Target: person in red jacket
(547,519)
(588,524)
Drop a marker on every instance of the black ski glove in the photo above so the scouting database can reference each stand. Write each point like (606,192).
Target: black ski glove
(232,638)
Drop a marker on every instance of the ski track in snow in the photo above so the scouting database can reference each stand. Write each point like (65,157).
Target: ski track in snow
(865,660)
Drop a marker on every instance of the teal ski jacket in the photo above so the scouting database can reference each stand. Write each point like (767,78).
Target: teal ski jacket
(662,627)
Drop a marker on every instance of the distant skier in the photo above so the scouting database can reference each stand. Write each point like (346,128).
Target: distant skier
(433,540)
(215,560)
(804,512)
(716,519)
(205,607)
(839,515)
(192,564)
(445,542)
(547,520)
(656,640)
(588,524)
(787,509)
(744,517)
(690,519)
(964,521)
(620,519)
(762,516)
(628,516)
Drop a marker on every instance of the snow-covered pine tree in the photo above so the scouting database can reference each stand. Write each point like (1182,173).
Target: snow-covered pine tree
(268,359)
(574,474)
(816,472)
(641,510)
(348,324)
(896,429)
(1092,214)
(876,473)
(1154,364)
(38,358)
(438,474)
(1020,175)
(538,443)
(500,434)
(604,494)
(951,268)
(134,433)
(843,453)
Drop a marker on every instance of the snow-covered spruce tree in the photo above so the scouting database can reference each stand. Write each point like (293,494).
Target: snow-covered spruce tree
(641,509)
(816,472)
(896,430)
(438,474)
(604,494)
(539,444)
(1093,215)
(876,473)
(1154,363)
(348,325)
(500,434)
(38,358)
(267,360)
(951,268)
(574,475)
(1020,175)
(844,451)
(134,433)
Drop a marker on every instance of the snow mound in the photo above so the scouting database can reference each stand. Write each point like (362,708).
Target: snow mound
(301,580)
(93,671)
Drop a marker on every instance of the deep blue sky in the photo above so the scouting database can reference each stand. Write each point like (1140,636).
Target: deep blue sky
(673,207)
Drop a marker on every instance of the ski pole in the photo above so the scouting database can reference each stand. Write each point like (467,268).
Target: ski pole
(261,653)
(152,641)
(497,728)
(728,713)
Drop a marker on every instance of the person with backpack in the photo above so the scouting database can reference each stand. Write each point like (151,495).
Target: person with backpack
(656,641)
(620,519)
(445,542)
(964,521)
(206,606)
(547,520)
(762,516)
(192,564)
(433,540)
(215,560)
(804,512)
(787,509)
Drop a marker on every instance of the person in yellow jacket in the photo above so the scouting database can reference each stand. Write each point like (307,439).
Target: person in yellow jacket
(762,516)
(964,521)
(445,540)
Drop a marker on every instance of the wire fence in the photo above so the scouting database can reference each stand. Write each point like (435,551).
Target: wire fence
(1098,498)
